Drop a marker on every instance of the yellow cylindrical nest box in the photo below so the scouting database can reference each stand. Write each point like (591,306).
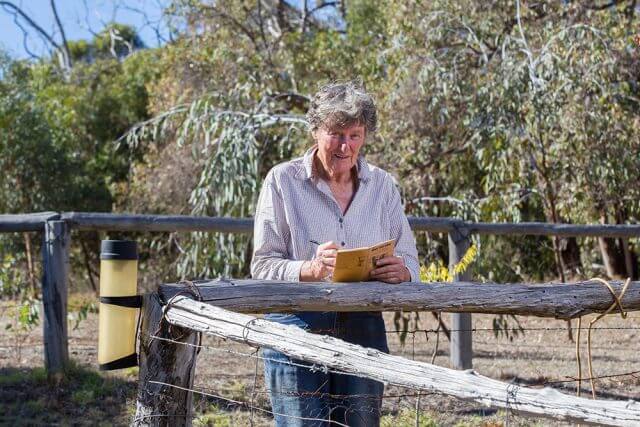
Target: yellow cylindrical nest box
(119,304)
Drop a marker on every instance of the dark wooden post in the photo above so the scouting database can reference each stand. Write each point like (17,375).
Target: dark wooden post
(460,345)
(163,365)
(55,257)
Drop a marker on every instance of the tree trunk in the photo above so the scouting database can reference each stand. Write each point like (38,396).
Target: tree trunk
(630,258)
(612,257)
(570,253)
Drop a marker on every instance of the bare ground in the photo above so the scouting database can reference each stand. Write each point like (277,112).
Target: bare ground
(230,371)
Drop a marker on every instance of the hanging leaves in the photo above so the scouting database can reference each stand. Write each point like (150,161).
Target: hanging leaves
(236,142)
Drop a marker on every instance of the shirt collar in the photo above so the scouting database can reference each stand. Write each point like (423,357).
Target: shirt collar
(307,172)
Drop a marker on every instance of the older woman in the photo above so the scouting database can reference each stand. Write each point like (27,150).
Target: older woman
(330,195)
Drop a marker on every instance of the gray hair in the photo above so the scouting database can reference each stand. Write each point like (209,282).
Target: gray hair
(338,105)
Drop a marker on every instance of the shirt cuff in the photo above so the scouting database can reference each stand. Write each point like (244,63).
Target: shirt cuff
(414,270)
(292,271)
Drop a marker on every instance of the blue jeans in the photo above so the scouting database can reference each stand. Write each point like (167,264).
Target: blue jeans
(301,396)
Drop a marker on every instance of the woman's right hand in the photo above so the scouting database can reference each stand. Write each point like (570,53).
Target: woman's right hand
(320,268)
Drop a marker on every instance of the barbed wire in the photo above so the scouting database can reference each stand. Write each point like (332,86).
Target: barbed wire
(634,374)
(312,367)
(91,341)
(243,404)
(440,331)
(537,346)
(252,406)
(423,392)
(562,329)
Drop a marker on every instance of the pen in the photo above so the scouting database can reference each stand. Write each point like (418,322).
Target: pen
(314,242)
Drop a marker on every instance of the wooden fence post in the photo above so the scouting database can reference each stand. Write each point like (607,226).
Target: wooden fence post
(165,361)
(55,258)
(460,344)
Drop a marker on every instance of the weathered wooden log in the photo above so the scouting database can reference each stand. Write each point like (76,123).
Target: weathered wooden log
(55,258)
(26,222)
(366,362)
(460,345)
(169,223)
(164,361)
(562,300)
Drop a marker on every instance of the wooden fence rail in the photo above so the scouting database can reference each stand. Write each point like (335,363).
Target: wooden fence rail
(26,222)
(128,222)
(157,223)
(158,393)
(561,300)
(55,303)
(185,223)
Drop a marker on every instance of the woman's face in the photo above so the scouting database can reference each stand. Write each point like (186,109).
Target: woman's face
(338,148)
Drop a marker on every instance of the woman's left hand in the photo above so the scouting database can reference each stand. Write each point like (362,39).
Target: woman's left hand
(391,269)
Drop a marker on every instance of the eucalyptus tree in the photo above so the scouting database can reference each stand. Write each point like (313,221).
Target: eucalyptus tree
(509,106)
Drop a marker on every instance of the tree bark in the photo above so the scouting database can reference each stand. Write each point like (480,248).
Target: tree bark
(612,256)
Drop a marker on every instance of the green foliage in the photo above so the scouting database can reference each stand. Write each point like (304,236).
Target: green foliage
(526,117)
(32,163)
(28,315)
(118,40)
(80,306)
(57,149)
(24,317)
(57,132)
(214,416)
(24,311)
(237,146)
(37,376)
(11,275)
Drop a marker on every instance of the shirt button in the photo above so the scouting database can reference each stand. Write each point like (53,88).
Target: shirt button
(340,220)
(342,243)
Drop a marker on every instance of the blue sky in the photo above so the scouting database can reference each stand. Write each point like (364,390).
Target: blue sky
(79,18)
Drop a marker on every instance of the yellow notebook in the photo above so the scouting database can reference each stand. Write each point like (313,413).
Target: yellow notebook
(355,265)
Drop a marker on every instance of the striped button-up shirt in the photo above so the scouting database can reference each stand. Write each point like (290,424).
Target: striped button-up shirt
(296,207)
